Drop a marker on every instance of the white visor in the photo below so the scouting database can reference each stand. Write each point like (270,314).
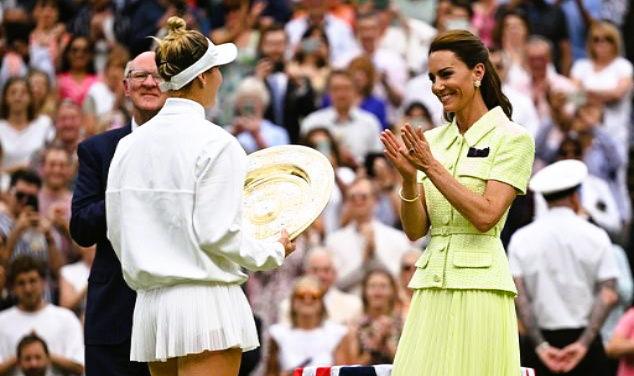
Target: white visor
(214,56)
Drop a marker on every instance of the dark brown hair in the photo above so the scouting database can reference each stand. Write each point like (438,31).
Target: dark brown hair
(24,264)
(366,280)
(29,339)
(471,51)
(4,106)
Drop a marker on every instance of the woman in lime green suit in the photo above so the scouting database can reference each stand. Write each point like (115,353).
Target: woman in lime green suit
(458,182)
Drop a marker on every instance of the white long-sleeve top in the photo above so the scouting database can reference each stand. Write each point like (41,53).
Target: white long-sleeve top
(174,203)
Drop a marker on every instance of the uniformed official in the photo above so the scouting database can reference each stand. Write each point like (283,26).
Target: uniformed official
(565,273)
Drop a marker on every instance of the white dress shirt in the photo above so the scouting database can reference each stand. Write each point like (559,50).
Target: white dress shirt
(360,134)
(347,246)
(561,258)
(174,203)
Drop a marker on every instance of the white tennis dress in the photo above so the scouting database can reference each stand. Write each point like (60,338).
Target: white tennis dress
(174,212)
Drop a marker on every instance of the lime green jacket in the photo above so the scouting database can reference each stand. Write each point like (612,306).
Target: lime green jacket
(458,255)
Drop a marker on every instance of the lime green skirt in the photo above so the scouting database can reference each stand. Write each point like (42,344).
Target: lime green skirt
(459,333)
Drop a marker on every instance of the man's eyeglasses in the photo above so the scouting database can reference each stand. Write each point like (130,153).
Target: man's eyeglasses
(140,77)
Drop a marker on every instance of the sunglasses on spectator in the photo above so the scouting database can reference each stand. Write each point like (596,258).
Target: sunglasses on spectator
(140,76)
(408,268)
(598,38)
(303,295)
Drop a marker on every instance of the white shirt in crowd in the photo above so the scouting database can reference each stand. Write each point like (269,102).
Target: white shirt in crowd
(167,184)
(561,258)
(273,135)
(304,348)
(360,134)
(418,89)
(19,146)
(76,274)
(616,116)
(342,308)
(340,35)
(102,98)
(347,246)
(524,112)
(57,326)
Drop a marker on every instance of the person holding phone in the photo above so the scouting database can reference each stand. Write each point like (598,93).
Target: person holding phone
(251,129)
(25,231)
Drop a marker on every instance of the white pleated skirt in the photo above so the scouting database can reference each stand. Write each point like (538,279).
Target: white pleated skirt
(178,320)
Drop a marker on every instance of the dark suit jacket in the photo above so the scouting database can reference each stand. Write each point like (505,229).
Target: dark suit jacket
(110,302)
(297,105)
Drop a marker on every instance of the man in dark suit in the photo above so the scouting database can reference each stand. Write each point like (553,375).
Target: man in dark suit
(292,97)
(110,302)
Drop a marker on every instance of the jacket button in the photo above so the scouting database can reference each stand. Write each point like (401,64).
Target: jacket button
(446,219)
(436,278)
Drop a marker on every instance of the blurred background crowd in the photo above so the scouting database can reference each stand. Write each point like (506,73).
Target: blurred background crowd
(328,74)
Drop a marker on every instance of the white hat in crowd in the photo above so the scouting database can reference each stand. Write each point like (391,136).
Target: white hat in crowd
(558,177)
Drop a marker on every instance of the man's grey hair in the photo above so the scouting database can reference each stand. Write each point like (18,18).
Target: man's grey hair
(538,40)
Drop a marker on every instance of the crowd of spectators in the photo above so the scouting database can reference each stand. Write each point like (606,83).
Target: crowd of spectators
(327,74)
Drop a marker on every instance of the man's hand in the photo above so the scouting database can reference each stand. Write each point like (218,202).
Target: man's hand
(367,233)
(572,355)
(27,218)
(552,357)
(263,68)
(284,239)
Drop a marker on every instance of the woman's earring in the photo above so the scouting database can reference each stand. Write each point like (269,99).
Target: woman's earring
(477,83)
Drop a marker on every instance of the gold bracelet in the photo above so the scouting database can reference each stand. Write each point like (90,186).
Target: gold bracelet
(400,194)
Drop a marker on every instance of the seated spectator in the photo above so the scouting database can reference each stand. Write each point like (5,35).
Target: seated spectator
(404,34)
(33,358)
(77,72)
(375,335)
(339,32)
(542,80)
(391,68)
(69,132)
(73,282)
(606,79)
(310,339)
(408,268)
(25,230)
(365,243)
(22,133)
(42,92)
(49,33)
(240,28)
(597,149)
(357,130)
(292,95)
(58,327)
(105,102)
(511,33)
(55,198)
(524,112)
(387,180)
(364,76)
(249,127)
(341,307)
(312,59)
(322,140)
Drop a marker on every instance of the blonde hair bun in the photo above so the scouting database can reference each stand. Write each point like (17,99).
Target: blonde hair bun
(176,24)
